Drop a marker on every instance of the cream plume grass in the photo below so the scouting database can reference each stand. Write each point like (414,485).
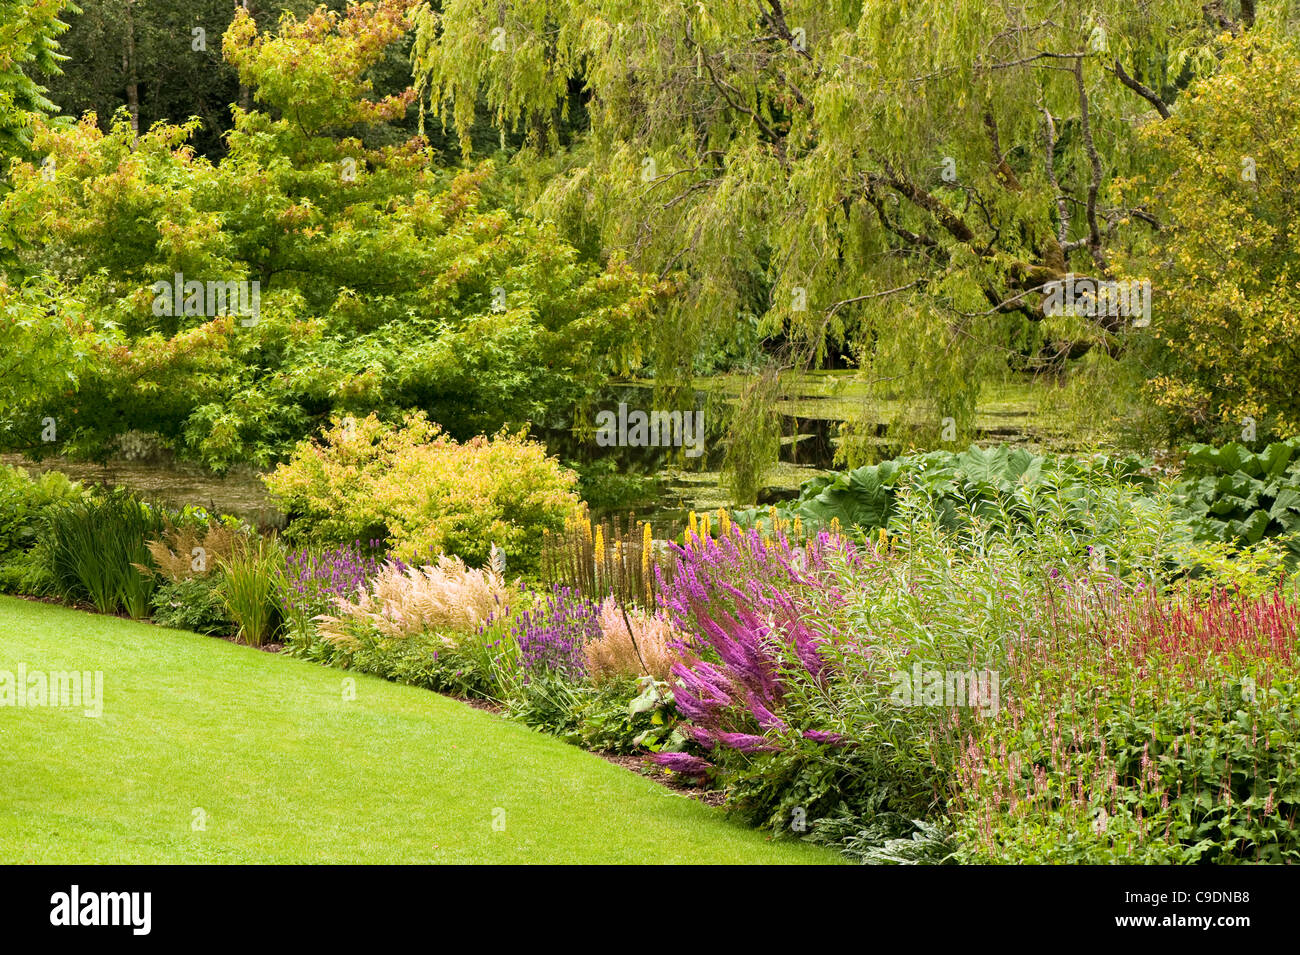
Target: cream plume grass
(613,654)
(178,551)
(447,598)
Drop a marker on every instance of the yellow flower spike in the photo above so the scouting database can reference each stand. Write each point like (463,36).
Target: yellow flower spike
(798,528)
(835,527)
(647,554)
(599,545)
(694,525)
(706,525)
(724,522)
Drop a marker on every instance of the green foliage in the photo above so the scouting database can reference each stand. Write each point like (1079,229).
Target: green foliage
(1227,495)
(27,46)
(250,586)
(1224,184)
(753,437)
(884,838)
(23,500)
(93,546)
(41,358)
(24,503)
(605,485)
(27,573)
(378,274)
(1206,776)
(1216,567)
(426,493)
(1234,495)
(192,603)
(461,668)
(626,717)
(985,482)
(894,182)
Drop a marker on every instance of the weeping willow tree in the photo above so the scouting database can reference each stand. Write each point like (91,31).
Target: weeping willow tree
(904,181)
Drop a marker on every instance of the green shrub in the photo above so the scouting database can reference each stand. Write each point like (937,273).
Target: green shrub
(978,482)
(92,548)
(622,716)
(884,838)
(24,501)
(192,603)
(607,487)
(426,493)
(1228,494)
(1231,494)
(477,666)
(1207,775)
(27,573)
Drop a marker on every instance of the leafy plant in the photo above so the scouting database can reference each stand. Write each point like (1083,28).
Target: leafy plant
(980,481)
(95,548)
(250,585)
(1234,495)
(192,603)
(884,838)
(1150,728)
(24,502)
(628,716)
(386,265)
(1220,180)
(426,493)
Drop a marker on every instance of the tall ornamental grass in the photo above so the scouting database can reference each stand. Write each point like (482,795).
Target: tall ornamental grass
(252,579)
(93,548)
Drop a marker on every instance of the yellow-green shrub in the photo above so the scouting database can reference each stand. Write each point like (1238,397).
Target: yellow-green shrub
(424,492)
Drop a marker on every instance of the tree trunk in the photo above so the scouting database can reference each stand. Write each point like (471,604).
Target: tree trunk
(245,97)
(129,69)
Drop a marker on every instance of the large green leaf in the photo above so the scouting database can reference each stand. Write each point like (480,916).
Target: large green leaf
(1251,530)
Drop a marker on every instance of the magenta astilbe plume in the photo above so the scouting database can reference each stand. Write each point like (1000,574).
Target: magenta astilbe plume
(765,717)
(747,742)
(744,604)
(704,691)
(685,764)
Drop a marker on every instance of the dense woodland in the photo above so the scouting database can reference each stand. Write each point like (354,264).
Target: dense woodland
(747,188)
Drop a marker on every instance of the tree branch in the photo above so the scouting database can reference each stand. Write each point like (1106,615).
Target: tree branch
(1146,92)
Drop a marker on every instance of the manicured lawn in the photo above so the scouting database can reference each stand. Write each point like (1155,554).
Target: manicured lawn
(286,770)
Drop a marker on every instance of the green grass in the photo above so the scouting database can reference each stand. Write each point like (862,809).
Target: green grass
(286,770)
